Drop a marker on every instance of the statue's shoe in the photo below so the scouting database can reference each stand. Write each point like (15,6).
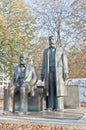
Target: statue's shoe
(50,109)
(59,110)
(21,113)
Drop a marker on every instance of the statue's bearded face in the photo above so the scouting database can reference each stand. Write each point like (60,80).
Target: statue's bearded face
(23,59)
(51,42)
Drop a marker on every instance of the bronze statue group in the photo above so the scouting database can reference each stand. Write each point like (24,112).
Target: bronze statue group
(54,73)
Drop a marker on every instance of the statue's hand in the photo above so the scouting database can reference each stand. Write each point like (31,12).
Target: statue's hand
(24,81)
(65,76)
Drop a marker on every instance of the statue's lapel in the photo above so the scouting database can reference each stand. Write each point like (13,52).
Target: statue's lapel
(18,71)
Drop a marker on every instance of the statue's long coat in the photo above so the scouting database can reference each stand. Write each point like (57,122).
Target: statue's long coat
(45,69)
(61,67)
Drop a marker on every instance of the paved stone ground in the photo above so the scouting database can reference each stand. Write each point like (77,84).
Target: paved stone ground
(66,120)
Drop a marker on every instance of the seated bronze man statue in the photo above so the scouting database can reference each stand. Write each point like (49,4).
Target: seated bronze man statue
(24,80)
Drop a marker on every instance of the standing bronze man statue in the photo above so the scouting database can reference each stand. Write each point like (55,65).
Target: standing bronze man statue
(24,79)
(54,72)
(48,72)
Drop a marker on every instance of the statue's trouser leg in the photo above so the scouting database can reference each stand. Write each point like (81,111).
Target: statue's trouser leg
(60,103)
(11,98)
(52,90)
(23,100)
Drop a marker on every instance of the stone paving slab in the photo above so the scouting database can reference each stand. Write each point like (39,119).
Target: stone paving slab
(65,116)
(58,115)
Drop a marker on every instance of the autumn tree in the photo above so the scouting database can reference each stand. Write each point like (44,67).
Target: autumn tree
(37,54)
(77,22)
(16,32)
(77,62)
(51,16)
(64,19)
(67,21)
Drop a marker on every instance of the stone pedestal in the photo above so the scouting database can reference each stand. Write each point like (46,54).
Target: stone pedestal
(34,103)
(37,103)
(72,100)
